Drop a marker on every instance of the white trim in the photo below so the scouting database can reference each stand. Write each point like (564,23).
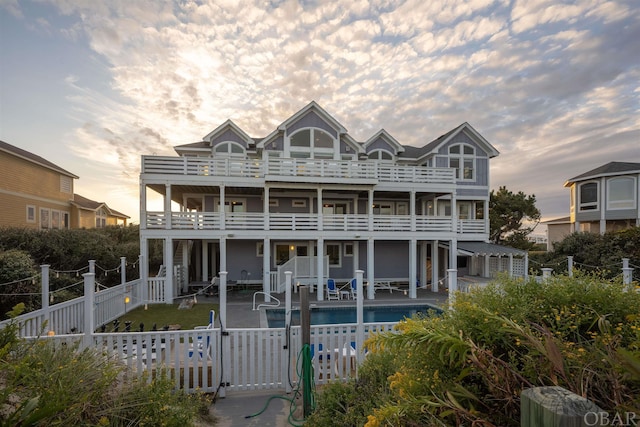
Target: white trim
(346,252)
(596,203)
(35,215)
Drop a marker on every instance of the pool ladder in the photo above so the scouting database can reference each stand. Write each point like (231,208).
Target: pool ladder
(265,304)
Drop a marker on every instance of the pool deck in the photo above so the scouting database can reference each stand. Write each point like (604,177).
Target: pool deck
(240,313)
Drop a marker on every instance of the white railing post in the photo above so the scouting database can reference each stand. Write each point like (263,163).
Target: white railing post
(626,271)
(359,319)
(44,278)
(89,286)
(92,266)
(570,266)
(226,345)
(287,324)
(123,269)
(546,273)
(452,280)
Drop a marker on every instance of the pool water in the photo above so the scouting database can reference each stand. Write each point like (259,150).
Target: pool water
(342,315)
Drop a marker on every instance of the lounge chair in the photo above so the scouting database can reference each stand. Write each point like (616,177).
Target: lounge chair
(332,291)
(203,344)
(354,288)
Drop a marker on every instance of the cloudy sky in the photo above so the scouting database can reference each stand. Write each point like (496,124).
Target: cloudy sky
(93,85)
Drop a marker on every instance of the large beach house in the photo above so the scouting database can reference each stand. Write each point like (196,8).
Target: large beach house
(310,199)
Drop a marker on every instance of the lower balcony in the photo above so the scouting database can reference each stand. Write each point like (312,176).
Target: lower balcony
(305,222)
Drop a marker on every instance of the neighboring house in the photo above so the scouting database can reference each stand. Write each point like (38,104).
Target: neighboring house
(256,207)
(557,230)
(87,213)
(35,193)
(603,199)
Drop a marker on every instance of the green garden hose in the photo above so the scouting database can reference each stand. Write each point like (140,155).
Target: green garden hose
(304,369)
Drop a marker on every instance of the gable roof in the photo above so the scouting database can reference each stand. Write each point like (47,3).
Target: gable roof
(83,203)
(434,146)
(609,169)
(312,106)
(488,249)
(561,220)
(399,148)
(234,128)
(33,158)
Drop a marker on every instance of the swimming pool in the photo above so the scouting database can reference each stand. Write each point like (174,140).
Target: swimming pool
(341,315)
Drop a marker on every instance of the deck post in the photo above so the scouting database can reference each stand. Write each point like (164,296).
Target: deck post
(89,286)
(452,281)
(305,334)
(287,327)
(44,277)
(570,266)
(123,270)
(626,271)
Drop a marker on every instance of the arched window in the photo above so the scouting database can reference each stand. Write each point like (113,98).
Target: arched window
(311,143)
(231,149)
(462,158)
(380,154)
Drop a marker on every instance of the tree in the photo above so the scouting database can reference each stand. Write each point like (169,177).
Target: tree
(16,278)
(508,213)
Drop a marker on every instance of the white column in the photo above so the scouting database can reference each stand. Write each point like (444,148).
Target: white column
(221,209)
(454,213)
(412,209)
(320,269)
(570,266)
(413,256)
(356,256)
(434,266)
(168,262)
(626,271)
(546,273)
(167,206)
(370,210)
(143,269)
(320,222)
(265,209)
(223,254)
(266,268)
(371,268)
(92,266)
(526,266)
(423,264)
(453,254)
(452,279)
(143,206)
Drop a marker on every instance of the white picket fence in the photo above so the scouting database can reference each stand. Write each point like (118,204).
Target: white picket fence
(238,359)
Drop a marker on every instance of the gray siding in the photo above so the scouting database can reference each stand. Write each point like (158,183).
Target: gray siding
(241,255)
(312,120)
(466,192)
(276,144)
(228,135)
(380,144)
(621,214)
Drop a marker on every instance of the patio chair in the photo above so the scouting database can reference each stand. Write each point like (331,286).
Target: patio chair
(354,288)
(203,345)
(332,291)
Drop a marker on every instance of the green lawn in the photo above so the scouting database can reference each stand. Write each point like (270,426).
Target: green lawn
(166,314)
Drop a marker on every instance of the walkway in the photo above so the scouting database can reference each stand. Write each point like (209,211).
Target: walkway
(232,410)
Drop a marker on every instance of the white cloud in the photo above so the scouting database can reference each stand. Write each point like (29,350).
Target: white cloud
(536,78)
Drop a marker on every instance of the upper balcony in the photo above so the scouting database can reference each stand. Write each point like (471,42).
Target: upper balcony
(310,222)
(280,169)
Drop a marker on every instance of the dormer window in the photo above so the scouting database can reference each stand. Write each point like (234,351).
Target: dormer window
(311,144)
(380,155)
(462,158)
(229,149)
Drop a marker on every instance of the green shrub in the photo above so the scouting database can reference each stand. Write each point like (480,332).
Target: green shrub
(470,365)
(52,384)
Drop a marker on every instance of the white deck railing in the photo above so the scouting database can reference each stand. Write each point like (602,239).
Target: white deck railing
(302,221)
(277,167)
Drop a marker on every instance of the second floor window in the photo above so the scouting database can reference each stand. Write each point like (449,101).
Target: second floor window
(588,199)
(462,158)
(229,149)
(380,155)
(621,193)
(311,144)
